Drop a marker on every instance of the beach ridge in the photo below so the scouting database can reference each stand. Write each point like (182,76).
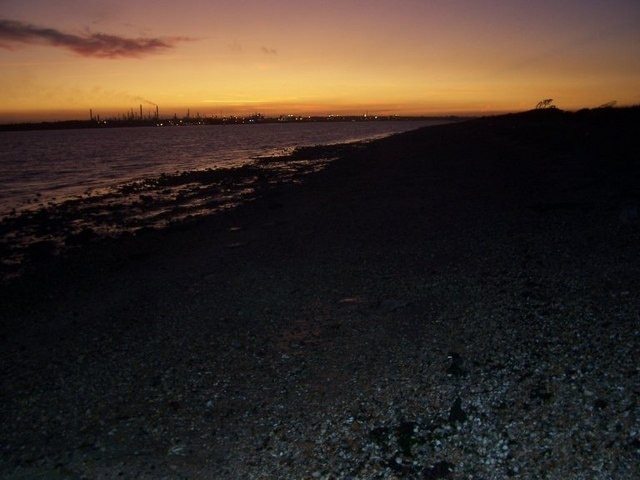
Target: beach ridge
(459,301)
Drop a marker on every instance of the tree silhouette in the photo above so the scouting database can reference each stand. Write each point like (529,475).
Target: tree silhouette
(546,103)
(608,104)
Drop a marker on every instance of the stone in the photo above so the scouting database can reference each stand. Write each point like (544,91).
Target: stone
(456,413)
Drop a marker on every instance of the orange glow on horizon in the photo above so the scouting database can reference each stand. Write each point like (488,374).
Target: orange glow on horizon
(287,57)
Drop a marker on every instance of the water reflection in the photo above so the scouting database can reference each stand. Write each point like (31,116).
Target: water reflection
(161,202)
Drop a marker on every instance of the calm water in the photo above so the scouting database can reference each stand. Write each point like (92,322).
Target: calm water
(54,165)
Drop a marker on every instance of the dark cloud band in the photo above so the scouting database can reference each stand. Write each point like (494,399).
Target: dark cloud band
(91,45)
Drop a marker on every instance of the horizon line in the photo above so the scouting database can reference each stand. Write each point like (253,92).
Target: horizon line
(149,111)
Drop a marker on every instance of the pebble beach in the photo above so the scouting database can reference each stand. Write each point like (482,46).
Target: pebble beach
(460,302)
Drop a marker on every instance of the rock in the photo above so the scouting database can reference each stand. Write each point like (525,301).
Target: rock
(600,404)
(456,365)
(83,237)
(406,435)
(380,436)
(438,470)
(629,215)
(456,414)
(541,392)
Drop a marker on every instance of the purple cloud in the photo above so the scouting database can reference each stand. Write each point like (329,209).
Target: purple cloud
(98,45)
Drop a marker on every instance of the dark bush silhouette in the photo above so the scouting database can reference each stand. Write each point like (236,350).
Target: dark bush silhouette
(546,103)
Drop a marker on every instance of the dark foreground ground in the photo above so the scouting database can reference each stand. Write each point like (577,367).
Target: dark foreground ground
(457,302)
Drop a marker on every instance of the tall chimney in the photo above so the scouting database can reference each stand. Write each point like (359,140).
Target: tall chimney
(140,111)
(157,113)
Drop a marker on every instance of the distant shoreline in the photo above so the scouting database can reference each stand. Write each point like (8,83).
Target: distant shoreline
(196,121)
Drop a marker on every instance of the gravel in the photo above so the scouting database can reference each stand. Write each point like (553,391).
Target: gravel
(370,323)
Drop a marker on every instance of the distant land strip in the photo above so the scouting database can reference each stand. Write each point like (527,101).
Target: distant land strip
(229,120)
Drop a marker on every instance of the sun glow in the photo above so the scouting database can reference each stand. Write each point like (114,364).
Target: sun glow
(289,57)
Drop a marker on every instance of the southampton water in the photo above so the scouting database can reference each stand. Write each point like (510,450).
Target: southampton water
(61,189)
(38,167)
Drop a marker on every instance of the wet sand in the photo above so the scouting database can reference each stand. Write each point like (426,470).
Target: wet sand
(455,302)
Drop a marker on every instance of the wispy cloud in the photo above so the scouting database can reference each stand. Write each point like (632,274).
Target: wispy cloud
(98,45)
(236,47)
(269,51)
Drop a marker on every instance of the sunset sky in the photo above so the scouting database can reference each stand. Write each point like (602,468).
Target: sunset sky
(60,58)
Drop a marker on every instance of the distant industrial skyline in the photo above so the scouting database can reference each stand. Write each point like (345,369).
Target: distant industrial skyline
(413,57)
